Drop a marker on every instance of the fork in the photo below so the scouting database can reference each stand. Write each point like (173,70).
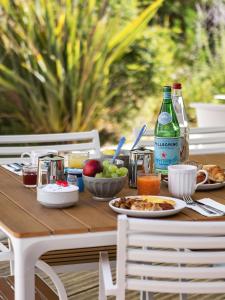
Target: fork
(216,210)
(190,201)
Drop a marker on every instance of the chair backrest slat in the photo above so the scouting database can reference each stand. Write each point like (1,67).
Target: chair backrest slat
(166,256)
(166,250)
(176,287)
(197,130)
(179,241)
(184,227)
(175,271)
(202,140)
(47,138)
(66,147)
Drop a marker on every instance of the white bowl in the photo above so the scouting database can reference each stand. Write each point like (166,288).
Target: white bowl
(104,189)
(56,199)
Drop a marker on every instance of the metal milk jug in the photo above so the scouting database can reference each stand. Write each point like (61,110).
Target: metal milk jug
(140,160)
(50,169)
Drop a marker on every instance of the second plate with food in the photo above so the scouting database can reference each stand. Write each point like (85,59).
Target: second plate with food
(210,186)
(163,206)
(206,186)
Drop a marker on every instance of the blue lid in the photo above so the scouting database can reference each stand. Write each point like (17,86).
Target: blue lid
(75,171)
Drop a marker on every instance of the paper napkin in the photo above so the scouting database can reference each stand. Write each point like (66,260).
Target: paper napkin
(209,202)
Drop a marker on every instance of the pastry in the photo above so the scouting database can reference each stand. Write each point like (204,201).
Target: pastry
(215,173)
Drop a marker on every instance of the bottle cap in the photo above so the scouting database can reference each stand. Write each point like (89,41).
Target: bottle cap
(74,171)
(167,92)
(167,88)
(177,86)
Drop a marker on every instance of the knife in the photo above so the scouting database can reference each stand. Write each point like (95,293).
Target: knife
(211,208)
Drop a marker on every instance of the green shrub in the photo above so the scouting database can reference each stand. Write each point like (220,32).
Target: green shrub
(56,60)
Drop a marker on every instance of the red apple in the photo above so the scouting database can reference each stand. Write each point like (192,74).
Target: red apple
(92,167)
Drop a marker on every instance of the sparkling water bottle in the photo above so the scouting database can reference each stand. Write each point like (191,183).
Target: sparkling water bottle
(167,135)
(179,108)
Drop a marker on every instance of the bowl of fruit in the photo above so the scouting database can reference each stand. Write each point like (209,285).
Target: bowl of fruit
(103,179)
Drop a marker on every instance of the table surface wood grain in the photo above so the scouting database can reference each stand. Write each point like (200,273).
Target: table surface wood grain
(23,216)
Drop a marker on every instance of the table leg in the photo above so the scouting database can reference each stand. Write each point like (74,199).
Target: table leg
(24,273)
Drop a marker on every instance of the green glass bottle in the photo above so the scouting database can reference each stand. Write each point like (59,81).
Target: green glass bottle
(167,135)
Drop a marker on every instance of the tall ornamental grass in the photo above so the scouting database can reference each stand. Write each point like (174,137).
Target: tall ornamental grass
(56,58)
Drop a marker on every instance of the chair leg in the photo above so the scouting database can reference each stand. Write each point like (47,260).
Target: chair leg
(101,295)
(146,295)
(11,262)
(183,296)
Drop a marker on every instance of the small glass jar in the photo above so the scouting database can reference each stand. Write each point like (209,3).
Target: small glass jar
(75,177)
(29,176)
(77,159)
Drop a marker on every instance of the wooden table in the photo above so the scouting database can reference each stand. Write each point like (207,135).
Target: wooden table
(34,229)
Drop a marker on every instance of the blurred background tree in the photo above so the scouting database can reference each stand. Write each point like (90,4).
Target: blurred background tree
(58,72)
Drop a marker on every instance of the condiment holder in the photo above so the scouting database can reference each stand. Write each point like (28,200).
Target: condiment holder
(50,169)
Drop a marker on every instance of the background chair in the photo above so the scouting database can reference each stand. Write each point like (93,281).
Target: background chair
(12,146)
(143,246)
(202,140)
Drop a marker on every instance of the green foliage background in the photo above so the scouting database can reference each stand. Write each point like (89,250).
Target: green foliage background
(73,65)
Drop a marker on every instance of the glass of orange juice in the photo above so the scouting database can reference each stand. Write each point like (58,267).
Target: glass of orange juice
(148,184)
(77,159)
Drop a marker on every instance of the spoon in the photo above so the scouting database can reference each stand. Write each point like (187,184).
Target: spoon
(118,149)
(140,134)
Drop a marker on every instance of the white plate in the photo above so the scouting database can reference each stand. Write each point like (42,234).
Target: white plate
(180,204)
(210,186)
(206,186)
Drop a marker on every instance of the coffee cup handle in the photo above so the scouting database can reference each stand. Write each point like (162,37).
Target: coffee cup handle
(206,177)
(25,154)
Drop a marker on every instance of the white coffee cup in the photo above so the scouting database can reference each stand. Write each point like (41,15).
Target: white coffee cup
(182,180)
(33,155)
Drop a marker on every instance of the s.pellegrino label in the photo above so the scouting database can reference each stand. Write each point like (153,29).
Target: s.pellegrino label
(167,152)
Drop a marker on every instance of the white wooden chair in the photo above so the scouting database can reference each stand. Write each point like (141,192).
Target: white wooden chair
(202,140)
(143,246)
(12,146)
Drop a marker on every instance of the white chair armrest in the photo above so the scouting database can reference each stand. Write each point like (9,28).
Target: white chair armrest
(54,277)
(6,255)
(104,267)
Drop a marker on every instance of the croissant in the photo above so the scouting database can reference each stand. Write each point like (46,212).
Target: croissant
(215,173)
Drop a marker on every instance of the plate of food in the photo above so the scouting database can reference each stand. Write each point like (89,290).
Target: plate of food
(147,206)
(216,178)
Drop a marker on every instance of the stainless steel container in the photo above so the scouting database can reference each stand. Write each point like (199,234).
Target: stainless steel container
(140,160)
(50,169)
